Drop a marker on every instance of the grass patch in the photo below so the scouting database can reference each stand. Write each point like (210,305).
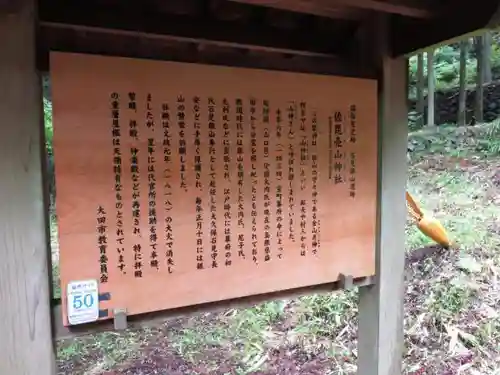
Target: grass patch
(451,302)
(102,351)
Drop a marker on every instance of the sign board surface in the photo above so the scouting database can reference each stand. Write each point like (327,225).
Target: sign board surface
(180,184)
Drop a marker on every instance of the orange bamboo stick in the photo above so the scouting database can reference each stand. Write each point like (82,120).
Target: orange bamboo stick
(428,225)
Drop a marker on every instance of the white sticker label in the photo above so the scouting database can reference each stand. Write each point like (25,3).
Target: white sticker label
(83,301)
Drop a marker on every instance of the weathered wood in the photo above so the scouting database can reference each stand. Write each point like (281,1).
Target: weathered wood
(307,7)
(60,31)
(150,319)
(420,89)
(326,8)
(229,11)
(431,88)
(142,45)
(94,13)
(462,93)
(380,342)
(25,327)
(479,94)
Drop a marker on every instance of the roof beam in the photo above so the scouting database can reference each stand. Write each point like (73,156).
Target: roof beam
(108,42)
(122,17)
(410,36)
(335,8)
(307,7)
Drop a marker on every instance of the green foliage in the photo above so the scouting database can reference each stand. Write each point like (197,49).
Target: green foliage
(49,131)
(446,71)
(493,138)
(447,66)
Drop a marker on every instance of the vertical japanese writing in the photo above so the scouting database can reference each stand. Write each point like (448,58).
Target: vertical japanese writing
(330,148)
(197,142)
(150,123)
(167,188)
(267,183)
(253,175)
(199,234)
(102,241)
(314,172)
(227,191)
(241,174)
(225,139)
(136,209)
(352,178)
(197,168)
(181,123)
(291,171)
(117,169)
(279,187)
(132,105)
(339,151)
(152,216)
(136,205)
(213,187)
(303,166)
(352,118)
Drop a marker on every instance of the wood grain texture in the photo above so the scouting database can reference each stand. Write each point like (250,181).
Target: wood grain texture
(150,319)
(25,327)
(321,7)
(83,148)
(160,317)
(381,305)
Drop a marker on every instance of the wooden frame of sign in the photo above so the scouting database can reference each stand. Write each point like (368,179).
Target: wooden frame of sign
(247,36)
(181,184)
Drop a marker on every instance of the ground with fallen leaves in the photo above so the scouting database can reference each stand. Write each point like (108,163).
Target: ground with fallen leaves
(452,305)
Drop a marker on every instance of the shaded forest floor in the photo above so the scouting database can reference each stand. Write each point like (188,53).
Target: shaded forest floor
(452,305)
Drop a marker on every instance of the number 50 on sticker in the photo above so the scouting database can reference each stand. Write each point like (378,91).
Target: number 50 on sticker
(83,301)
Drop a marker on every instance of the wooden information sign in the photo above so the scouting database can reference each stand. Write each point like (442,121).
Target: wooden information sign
(180,184)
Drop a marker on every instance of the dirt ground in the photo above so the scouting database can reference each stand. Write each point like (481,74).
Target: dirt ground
(452,305)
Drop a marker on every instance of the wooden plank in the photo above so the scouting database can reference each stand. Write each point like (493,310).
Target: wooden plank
(91,40)
(380,335)
(213,230)
(201,43)
(329,8)
(150,319)
(121,16)
(25,326)
(160,317)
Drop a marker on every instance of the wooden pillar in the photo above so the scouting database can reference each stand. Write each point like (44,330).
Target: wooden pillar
(26,346)
(380,340)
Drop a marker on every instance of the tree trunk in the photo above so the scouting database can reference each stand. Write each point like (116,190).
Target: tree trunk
(487,40)
(462,96)
(420,90)
(430,88)
(478,113)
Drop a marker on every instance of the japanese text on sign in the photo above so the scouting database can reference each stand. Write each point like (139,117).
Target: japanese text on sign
(180,184)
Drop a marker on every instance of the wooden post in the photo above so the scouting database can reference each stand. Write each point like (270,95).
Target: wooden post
(431,89)
(26,344)
(380,340)
(420,90)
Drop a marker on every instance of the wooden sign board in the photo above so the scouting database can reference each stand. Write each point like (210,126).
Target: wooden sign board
(181,184)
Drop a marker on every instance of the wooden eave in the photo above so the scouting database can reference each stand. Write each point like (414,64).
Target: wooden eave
(317,35)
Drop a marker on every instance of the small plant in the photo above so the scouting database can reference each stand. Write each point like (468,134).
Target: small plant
(493,141)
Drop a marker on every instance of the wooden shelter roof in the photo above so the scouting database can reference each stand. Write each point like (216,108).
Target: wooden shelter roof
(289,34)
